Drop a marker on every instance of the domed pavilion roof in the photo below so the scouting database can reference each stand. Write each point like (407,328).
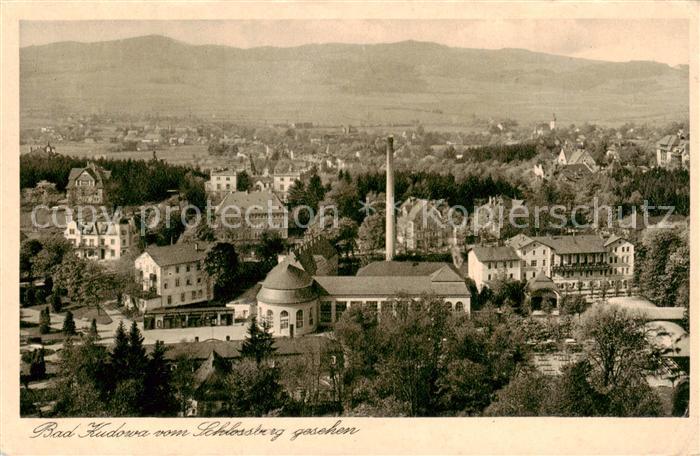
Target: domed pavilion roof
(287,284)
(540,283)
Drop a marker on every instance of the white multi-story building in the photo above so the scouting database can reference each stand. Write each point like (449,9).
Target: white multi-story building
(222,181)
(574,263)
(285,174)
(101,240)
(175,273)
(487,263)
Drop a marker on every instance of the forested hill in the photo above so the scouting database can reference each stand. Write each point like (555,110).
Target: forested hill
(343,83)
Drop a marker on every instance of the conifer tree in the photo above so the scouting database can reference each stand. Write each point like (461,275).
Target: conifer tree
(68,324)
(45,321)
(56,303)
(136,359)
(120,353)
(258,343)
(158,398)
(37,369)
(93,333)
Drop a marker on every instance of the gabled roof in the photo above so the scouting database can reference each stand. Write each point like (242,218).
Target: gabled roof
(243,200)
(211,366)
(587,243)
(400,268)
(495,253)
(541,282)
(97,173)
(390,278)
(314,253)
(576,171)
(519,241)
(381,286)
(178,253)
(614,238)
(231,349)
(445,274)
(667,142)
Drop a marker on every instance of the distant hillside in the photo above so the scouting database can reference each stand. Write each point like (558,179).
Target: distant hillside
(343,83)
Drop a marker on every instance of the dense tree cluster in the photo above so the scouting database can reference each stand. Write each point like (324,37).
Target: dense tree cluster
(123,381)
(423,360)
(348,193)
(610,380)
(662,267)
(658,187)
(502,153)
(133,182)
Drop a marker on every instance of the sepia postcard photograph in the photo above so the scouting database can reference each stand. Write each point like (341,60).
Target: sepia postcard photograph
(313,232)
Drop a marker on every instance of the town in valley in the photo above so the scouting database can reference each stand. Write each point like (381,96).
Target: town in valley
(422,258)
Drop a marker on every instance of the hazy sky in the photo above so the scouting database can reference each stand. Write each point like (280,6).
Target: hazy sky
(664,40)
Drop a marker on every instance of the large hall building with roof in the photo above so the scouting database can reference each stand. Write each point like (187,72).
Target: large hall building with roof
(291,301)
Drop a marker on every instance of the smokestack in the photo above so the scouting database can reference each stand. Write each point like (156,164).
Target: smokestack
(390,231)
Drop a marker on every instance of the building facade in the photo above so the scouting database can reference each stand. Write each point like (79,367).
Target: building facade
(87,185)
(101,240)
(285,174)
(574,263)
(293,302)
(222,181)
(174,274)
(570,155)
(487,264)
(421,225)
(673,151)
(490,215)
(247,215)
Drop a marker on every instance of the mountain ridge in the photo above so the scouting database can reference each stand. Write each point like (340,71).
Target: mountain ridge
(392,82)
(149,39)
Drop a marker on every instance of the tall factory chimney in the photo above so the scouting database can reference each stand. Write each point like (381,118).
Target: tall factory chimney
(390,230)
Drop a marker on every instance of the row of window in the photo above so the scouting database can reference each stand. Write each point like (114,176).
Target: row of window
(183,296)
(506,264)
(187,268)
(592,283)
(284,318)
(188,282)
(91,241)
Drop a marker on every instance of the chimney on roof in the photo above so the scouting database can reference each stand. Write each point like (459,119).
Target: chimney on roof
(390,231)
